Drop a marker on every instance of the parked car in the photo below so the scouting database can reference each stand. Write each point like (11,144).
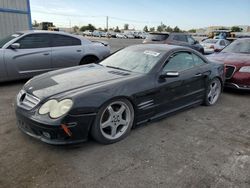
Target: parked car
(129,36)
(121,36)
(214,45)
(97,33)
(111,34)
(107,99)
(87,33)
(29,53)
(236,58)
(180,39)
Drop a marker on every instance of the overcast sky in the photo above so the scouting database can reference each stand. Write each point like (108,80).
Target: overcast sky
(138,13)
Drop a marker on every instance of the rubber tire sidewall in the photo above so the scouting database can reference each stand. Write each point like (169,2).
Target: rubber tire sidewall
(96,131)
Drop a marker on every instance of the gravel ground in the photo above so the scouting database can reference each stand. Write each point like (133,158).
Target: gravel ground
(199,147)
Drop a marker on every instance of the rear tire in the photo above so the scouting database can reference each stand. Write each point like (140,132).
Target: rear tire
(88,60)
(213,92)
(113,121)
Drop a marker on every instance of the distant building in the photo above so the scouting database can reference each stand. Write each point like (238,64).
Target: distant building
(15,16)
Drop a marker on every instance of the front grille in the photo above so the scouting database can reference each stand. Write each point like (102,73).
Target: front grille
(26,101)
(230,69)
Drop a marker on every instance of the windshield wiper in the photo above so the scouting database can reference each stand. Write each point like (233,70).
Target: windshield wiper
(118,68)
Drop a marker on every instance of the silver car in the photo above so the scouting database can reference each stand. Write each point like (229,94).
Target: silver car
(29,53)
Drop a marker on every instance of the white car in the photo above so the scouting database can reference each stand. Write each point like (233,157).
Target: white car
(214,45)
(121,36)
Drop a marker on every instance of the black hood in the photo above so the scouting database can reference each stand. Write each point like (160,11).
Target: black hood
(56,82)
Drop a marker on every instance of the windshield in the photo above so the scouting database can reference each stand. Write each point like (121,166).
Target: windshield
(157,37)
(134,60)
(3,41)
(240,46)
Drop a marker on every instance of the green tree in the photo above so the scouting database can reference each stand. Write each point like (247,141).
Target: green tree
(236,29)
(117,29)
(35,24)
(177,29)
(152,29)
(75,28)
(161,28)
(126,26)
(169,29)
(88,27)
(145,28)
(192,31)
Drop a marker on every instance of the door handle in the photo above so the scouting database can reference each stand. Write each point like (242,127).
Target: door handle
(46,54)
(198,75)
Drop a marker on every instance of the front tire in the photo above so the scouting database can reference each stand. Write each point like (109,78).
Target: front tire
(213,92)
(113,122)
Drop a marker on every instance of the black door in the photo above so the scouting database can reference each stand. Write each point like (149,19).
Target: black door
(186,89)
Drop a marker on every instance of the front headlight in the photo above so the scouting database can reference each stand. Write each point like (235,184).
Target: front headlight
(245,69)
(56,109)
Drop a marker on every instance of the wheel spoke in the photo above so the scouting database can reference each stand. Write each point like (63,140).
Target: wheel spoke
(121,110)
(123,122)
(106,123)
(113,131)
(111,111)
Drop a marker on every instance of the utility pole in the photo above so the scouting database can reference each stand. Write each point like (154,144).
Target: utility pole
(107,23)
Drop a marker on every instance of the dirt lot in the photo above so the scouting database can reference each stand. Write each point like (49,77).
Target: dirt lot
(200,147)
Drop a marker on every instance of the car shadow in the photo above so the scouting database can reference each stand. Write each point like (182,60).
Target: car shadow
(236,91)
(13,83)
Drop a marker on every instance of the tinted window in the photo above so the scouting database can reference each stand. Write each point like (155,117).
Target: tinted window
(34,41)
(179,62)
(157,37)
(62,40)
(181,38)
(198,61)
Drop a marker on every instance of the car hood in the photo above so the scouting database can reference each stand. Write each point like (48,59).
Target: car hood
(236,59)
(84,77)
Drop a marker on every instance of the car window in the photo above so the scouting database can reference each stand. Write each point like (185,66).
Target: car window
(190,40)
(198,61)
(181,38)
(157,37)
(222,43)
(179,62)
(62,40)
(34,41)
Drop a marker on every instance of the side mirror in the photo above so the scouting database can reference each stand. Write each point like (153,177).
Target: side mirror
(170,74)
(15,45)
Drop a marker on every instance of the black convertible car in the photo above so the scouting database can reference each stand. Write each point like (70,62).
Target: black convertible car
(133,86)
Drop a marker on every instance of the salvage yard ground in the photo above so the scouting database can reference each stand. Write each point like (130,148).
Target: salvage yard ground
(199,147)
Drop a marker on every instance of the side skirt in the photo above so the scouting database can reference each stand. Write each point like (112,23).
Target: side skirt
(170,112)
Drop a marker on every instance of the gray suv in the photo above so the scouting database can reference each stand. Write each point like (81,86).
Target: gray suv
(179,39)
(29,53)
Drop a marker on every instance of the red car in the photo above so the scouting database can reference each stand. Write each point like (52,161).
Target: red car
(236,58)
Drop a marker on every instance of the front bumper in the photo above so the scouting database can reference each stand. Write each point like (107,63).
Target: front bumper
(53,133)
(239,81)
(237,86)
